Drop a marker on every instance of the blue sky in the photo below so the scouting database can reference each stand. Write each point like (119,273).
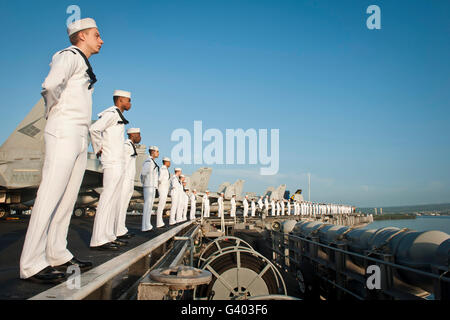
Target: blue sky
(366,112)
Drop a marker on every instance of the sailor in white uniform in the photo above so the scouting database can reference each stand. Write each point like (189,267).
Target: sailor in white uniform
(272,204)
(289,207)
(107,136)
(134,137)
(181,200)
(266,205)
(205,204)
(149,179)
(163,190)
(185,199)
(220,206)
(193,200)
(260,203)
(67,92)
(175,189)
(253,206)
(278,208)
(233,206)
(221,212)
(245,203)
(282,207)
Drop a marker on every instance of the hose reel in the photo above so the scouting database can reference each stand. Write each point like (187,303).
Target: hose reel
(240,273)
(220,245)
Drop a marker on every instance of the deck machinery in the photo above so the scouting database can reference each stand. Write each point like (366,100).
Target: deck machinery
(290,257)
(273,258)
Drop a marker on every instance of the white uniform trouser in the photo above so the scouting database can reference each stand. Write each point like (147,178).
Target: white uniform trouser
(108,207)
(127,193)
(180,206)
(206,212)
(185,207)
(62,174)
(233,211)
(173,208)
(193,208)
(149,198)
(163,192)
(245,211)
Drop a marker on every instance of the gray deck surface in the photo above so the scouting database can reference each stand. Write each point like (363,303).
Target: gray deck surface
(12,236)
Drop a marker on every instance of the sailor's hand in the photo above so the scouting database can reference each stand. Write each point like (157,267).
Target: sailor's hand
(99,154)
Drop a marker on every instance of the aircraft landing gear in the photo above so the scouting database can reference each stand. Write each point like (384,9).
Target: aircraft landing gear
(4,212)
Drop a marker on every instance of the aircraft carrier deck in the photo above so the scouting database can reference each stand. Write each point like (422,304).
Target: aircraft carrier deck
(253,258)
(12,236)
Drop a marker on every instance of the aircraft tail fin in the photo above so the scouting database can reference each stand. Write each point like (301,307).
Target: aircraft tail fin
(236,189)
(269,191)
(199,180)
(28,136)
(223,187)
(279,192)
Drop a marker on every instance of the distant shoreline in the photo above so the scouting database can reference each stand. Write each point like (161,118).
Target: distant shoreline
(393,216)
(418,210)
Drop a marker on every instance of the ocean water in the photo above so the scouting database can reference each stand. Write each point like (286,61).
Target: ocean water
(440,223)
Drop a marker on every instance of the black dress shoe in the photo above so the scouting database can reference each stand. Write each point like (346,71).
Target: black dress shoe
(126,236)
(48,275)
(83,265)
(107,246)
(119,242)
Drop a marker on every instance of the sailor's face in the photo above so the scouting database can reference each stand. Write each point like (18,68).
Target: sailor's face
(138,138)
(93,40)
(126,103)
(135,137)
(154,154)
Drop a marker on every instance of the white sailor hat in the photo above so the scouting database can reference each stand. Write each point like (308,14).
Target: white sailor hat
(194,190)
(154,148)
(121,93)
(206,191)
(79,25)
(177,169)
(182,176)
(133,130)
(166,159)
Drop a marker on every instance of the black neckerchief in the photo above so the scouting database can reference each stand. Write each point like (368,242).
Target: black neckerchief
(155,163)
(168,172)
(89,71)
(134,148)
(124,121)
